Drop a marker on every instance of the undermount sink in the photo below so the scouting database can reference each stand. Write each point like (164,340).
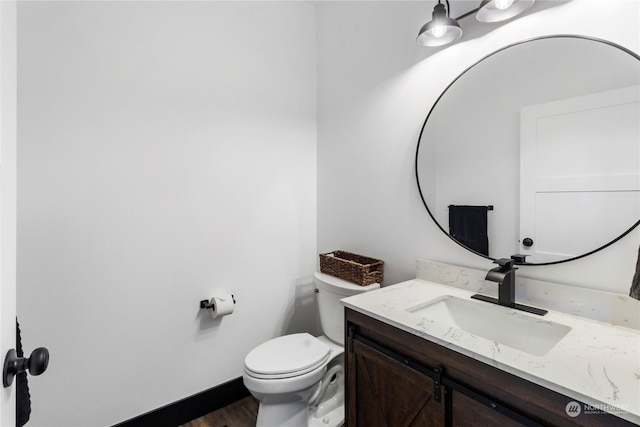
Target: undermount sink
(503,325)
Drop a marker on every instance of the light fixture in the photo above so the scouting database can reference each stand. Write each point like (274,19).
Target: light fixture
(501,10)
(442,29)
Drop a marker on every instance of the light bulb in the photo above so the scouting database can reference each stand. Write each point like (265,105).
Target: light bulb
(503,4)
(439,31)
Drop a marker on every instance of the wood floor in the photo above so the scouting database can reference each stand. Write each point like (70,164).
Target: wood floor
(242,413)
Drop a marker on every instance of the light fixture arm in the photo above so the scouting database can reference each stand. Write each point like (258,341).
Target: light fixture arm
(464,15)
(448,7)
(471,12)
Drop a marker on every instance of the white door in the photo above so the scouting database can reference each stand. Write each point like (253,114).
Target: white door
(579,177)
(8,163)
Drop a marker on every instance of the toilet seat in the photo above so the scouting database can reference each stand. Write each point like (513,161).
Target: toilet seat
(286,357)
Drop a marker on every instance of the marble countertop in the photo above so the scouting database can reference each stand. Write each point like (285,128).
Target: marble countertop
(596,362)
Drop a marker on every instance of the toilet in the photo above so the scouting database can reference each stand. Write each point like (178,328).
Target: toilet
(299,378)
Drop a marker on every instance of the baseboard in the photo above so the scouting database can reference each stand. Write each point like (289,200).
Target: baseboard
(190,408)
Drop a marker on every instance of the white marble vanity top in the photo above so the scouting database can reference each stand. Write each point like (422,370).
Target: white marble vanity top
(596,362)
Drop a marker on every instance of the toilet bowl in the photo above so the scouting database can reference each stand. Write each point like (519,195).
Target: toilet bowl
(298,378)
(328,409)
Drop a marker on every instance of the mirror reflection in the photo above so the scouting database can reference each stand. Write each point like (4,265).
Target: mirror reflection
(534,150)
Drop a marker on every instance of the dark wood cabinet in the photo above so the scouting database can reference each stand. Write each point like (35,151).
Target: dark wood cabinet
(467,412)
(388,393)
(396,379)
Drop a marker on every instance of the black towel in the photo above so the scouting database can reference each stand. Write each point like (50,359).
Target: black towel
(23,397)
(468,225)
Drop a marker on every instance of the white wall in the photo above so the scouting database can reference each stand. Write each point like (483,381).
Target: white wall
(376,86)
(166,150)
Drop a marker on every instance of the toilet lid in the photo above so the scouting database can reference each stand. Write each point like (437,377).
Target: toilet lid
(286,355)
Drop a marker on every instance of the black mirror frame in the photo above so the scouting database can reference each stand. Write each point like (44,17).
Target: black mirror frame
(624,49)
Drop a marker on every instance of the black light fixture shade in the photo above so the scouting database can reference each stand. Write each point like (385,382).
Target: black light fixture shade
(501,10)
(440,30)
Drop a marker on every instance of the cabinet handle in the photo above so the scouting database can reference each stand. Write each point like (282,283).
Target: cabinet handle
(350,334)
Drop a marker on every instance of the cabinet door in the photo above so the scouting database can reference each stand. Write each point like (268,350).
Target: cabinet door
(384,392)
(467,412)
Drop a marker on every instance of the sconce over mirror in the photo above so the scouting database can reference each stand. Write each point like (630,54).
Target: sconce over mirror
(443,29)
(534,150)
(501,10)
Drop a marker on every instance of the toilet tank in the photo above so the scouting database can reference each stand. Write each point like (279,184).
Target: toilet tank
(330,291)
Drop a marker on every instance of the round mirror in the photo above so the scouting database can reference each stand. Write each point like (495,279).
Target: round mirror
(535,150)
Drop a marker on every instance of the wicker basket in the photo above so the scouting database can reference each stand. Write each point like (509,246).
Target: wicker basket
(354,268)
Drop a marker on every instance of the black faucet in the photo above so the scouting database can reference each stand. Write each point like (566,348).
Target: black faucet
(505,276)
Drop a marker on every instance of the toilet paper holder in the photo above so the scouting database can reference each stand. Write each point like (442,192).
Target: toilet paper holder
(206,304)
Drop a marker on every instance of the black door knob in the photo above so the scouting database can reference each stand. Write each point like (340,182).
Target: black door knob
(527,242)
(36,364)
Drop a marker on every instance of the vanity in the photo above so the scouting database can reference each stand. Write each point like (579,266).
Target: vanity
(533,158)
(426,354)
